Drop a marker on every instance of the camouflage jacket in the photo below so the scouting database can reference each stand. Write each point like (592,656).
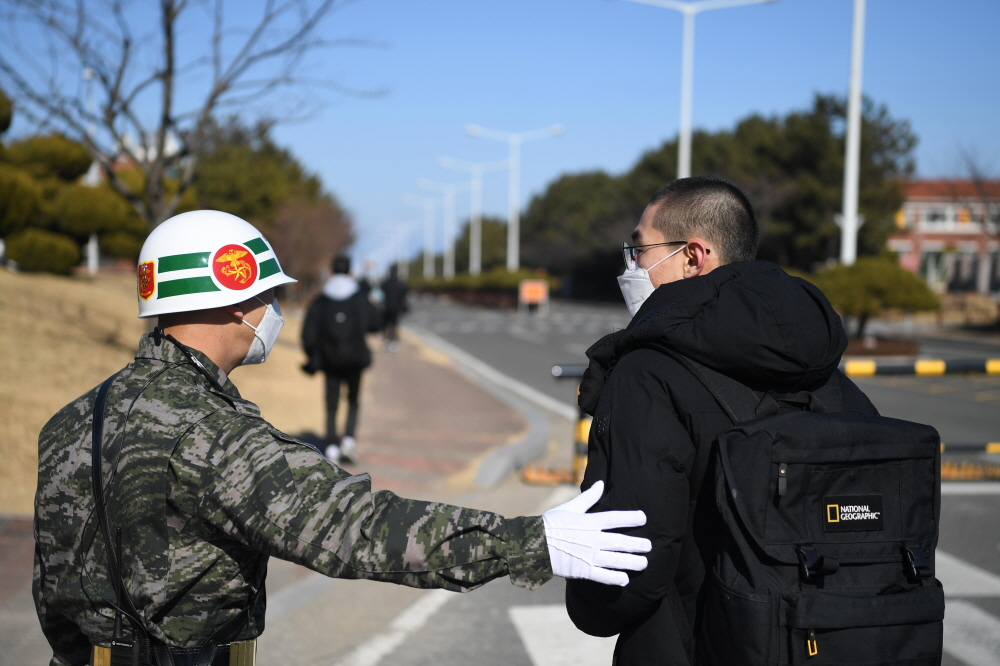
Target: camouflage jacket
(204,490)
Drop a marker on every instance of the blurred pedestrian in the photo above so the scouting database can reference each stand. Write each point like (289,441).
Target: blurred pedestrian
(333,338)
(162,493)
(394,306)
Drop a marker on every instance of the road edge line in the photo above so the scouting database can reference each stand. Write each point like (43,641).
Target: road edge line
(530,402)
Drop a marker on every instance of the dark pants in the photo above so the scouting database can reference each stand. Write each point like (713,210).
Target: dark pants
(391,321)
(333,379)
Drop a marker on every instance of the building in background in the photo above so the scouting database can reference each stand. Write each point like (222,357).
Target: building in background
(949,232)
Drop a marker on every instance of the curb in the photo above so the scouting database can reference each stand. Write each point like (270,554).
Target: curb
(531,403)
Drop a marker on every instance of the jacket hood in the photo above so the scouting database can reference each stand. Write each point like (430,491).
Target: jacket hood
(340,287)
(748,320)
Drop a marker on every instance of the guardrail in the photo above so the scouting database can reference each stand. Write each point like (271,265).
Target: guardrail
(925,367)
(965,470)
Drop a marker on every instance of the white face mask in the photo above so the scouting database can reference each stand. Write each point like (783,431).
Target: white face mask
(636,286)
(264,334)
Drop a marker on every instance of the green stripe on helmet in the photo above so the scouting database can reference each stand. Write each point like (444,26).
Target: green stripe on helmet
(192,285)
(269,268)
(180,262)
(257,245)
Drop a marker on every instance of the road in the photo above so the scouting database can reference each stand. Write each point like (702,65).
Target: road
(513,627)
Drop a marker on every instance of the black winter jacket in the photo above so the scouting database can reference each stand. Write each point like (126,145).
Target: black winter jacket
(333,334)
(747,320)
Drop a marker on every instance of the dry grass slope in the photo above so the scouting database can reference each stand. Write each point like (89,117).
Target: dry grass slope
(62,336)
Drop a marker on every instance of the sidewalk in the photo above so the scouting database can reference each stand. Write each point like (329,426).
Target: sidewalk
(424,431)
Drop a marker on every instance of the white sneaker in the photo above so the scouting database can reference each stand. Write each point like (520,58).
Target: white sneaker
(347,449)
(332,452)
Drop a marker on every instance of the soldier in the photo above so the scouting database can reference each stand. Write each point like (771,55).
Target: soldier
(198,490)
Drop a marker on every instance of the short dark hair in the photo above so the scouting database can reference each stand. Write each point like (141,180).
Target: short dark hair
(341,264)
(712,208)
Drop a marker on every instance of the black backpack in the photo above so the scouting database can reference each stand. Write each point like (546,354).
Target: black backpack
(343,325)
(827,527)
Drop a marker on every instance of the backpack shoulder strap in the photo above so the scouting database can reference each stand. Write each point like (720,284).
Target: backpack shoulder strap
(739,402)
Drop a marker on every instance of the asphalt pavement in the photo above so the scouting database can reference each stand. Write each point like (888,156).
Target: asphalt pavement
(470,366)
(964,408)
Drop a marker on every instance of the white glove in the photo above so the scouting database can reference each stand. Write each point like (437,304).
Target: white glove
(579,548)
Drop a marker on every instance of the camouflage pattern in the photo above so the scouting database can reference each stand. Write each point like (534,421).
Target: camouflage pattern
(205,490)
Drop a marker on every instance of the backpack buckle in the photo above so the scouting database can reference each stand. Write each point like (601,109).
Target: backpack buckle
(917,566)
(812,565)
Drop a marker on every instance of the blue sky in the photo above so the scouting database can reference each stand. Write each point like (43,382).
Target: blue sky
(609,71)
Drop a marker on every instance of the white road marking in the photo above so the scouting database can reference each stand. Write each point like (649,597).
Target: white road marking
(375,648)
(477,367)
(551,639)
(961,579)
(970,488)
(372,651)
(971,634)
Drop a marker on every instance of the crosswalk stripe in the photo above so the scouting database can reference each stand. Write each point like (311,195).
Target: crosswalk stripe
(551,639)
(971,634)
(374,649)
(961,579)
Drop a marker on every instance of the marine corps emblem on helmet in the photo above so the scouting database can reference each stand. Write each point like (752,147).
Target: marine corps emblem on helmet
(234,267)
(146,280)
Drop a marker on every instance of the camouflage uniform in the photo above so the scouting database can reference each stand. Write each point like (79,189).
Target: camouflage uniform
(205,490)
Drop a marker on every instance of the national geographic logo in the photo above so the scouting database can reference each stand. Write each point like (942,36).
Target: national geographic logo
(852,513)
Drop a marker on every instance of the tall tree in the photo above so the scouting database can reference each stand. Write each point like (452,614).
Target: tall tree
(221,55)
(790,166)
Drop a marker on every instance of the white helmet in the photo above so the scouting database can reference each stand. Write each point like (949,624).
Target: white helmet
(204,259)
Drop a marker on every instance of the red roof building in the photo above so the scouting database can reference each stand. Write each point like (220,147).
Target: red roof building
(949,232)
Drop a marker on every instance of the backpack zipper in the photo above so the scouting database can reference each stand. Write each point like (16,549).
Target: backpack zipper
(811,648)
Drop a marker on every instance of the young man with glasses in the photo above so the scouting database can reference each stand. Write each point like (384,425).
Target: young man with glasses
(696,292)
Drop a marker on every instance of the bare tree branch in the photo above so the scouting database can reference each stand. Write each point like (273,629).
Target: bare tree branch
(245,66)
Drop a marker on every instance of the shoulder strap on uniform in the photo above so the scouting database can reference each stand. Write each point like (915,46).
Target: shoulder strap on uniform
(123,602)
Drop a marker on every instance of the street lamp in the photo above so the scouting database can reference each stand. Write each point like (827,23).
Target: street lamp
(428,205)
(690,9)
(448,190)
(401,244)
(514,141)
(849,222)
(476,171)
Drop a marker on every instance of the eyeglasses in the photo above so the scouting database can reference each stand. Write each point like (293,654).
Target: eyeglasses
(631,252)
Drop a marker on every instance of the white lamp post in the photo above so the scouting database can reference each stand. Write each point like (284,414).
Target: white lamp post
(476,171)
(428,205)
(690,9)
(448,190)
(401,246)
(514,141)
(849,222)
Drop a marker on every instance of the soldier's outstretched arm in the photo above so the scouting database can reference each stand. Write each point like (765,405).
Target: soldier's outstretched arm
(279,496)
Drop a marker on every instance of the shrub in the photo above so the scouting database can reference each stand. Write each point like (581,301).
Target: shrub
(121,244)
(49,155)
(871,285)
(20,200)
(41,250)
(496,280)
(80,210)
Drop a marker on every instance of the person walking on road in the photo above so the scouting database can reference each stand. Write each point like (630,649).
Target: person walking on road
(394,306)
(333,337)
(162,493)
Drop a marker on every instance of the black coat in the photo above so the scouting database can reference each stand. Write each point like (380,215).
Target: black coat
(333,335)
(747,320)
(394,291)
